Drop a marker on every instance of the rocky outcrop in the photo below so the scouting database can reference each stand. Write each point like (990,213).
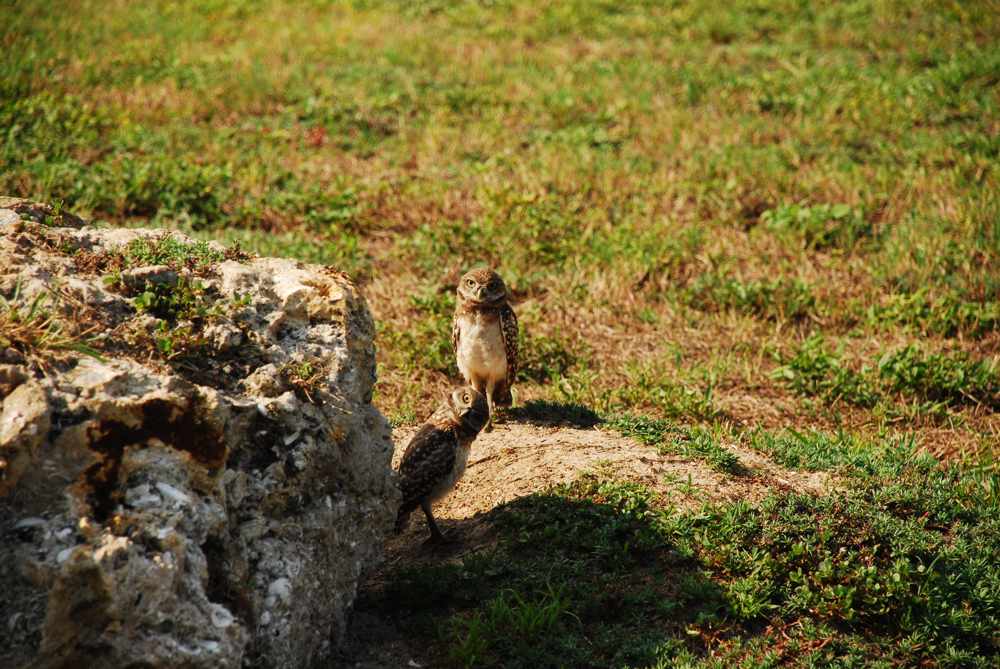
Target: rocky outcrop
(191,470)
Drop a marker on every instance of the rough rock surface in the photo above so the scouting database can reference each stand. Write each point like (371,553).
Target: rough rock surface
(198,488)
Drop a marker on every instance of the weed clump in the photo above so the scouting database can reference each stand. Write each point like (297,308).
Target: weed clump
(947,315)
(820,226)
(186,300)
(776,299)
(181,304)
(198,258)
(902,554)
(937,380)
(305,377)
(936,377)
(168,250)
(543,359)
(816,372)
(426,343)
(814,450)
(35,330)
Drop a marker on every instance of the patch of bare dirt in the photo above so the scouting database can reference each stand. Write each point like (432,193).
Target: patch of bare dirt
(517,459)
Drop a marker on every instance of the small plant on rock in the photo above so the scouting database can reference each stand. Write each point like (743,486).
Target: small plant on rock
(34,330)
(305,377)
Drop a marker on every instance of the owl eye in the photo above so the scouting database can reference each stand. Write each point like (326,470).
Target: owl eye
(470,282)
(465,398)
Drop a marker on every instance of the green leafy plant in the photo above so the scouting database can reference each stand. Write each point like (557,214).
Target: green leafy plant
(777,299)
(953,379)
(186,300)
(815,371)
(936,379)
(168,250)
(947,315)
(820,226)
(895,565)
(543,359)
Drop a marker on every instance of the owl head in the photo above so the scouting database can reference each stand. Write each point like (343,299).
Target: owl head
(482,286)
(469,408)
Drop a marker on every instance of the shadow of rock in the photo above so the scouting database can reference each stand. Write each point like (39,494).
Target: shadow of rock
(602,563)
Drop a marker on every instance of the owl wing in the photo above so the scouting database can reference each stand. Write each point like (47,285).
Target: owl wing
(429,458)
(508,329)
(456,332)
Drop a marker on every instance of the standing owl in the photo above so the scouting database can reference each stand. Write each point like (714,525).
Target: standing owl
(435,458)
(485,336)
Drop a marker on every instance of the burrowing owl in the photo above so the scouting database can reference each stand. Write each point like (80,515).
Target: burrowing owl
(485,336)
(435,458)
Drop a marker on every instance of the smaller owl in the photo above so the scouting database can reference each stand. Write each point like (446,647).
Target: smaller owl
(484,333)
(435,458)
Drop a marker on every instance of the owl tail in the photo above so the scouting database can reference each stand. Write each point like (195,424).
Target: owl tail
(402,519)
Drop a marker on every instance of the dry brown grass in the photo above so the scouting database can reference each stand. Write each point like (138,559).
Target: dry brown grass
(32,330)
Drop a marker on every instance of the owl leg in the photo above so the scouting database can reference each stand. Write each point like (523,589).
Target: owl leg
(490,389)
(502,399)
(436,536)
(478,383)
(503,394)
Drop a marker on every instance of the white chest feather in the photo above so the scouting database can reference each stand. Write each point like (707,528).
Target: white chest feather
(448,482)
(481,351)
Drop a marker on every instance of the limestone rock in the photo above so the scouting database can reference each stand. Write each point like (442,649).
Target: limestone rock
(175,489)
(24,425)
(151,275)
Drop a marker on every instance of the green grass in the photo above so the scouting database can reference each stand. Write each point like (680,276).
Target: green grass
(819,226)
(816,371)
(948,315)
(898,570)
(934,380)
(777,299)
(935,377)
(186,300)
(168,250)
(669,438)
(815,450)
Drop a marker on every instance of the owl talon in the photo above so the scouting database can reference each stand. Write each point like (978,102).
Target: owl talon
(438,540)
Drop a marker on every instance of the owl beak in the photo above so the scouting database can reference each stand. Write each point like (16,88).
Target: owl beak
(474,420)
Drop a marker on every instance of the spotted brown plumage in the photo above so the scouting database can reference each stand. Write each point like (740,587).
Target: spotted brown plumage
(429,458)
(485,332)
(508,328)
(435,458)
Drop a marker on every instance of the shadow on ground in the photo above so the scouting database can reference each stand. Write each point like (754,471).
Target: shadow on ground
(544,413)
(570,577)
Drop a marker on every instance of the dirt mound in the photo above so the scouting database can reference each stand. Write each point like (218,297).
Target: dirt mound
(518,459)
